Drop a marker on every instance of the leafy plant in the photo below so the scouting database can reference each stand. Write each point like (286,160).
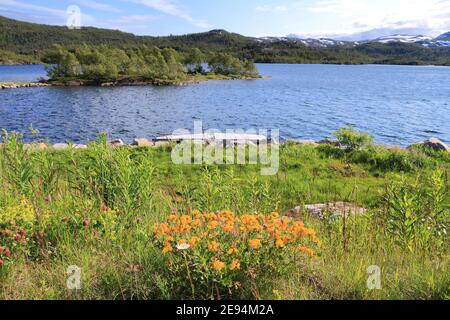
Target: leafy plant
(216,255)
(352,140)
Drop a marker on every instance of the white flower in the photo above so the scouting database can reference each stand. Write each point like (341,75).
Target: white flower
(183,246)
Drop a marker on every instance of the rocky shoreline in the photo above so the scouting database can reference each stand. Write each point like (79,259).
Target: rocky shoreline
(122,82)
(18,85)
(432,143)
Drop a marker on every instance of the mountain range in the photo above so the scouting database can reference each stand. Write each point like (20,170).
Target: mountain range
(25,39)
(426,41)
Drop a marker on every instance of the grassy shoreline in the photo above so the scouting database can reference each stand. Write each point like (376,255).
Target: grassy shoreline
(96,208)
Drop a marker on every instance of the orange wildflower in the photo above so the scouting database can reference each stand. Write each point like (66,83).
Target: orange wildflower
(196,223)
(169,239)
(279,243)
(213,246)
(232,250)
(235,264)
(212,225)
(228,228)
(254,243)
(185,219)
(218,265)
(194,241)
(168,248)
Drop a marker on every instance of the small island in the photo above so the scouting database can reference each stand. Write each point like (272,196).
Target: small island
(141,65)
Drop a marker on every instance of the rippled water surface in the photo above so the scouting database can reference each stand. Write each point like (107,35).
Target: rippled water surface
(397,104)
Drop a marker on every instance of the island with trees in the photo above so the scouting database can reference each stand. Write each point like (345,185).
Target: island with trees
(141,65)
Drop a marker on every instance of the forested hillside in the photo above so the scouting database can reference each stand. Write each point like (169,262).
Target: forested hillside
(34,40)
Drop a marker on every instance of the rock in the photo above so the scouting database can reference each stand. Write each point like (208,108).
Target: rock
(116,143)
(436,144)
(108,84)
(35,146)
(41,146)
(158,144)
(60,146)
(80,146)
(433,143)
(319,210)
(142,143)
(7,85)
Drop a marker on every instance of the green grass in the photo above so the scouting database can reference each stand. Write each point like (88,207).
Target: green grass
(122,192)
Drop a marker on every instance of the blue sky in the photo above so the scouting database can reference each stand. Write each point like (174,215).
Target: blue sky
(345,19)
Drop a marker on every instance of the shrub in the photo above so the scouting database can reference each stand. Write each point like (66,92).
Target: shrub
(213,254)
(351,140)
(380,158)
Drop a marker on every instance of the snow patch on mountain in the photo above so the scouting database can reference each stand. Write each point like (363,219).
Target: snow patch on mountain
(426,41)
(403,38)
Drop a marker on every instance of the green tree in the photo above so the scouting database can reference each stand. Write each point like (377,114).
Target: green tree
(193,60)
(173,61)
(66,64)
(351,140)
(250,69)
(226,64)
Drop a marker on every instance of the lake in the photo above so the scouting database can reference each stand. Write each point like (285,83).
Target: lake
(396,104)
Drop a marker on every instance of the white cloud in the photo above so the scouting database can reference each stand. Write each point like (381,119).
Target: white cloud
(136,18)
(337,5)
(97,5)
(30,9)
(430,17)
(268,8)
(131,23)
(170,8)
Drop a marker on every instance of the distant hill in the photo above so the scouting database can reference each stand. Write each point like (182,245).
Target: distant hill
(444,37)
(30,39)
(25,37)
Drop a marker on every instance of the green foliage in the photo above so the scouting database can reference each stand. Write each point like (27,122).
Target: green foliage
(226,64)
(9,58)
(16,163)
(193,60)
(352,140)
(417,213)
(106,64)
(67,64)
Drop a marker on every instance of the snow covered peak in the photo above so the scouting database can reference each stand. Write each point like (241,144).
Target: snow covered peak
(426,41)
(403,38)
